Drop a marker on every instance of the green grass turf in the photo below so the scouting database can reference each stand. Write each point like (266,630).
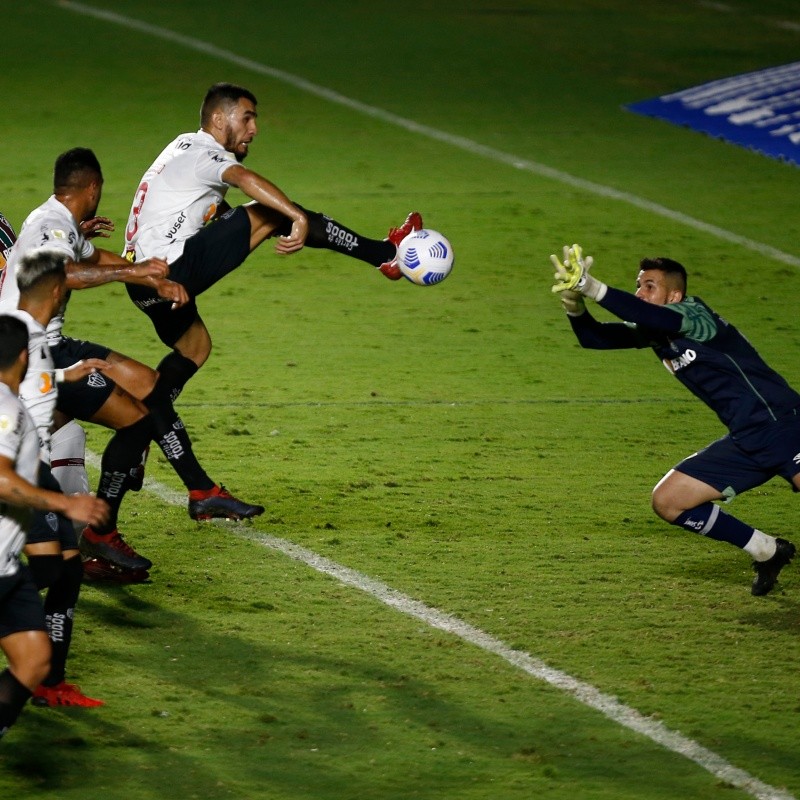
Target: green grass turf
(453,442)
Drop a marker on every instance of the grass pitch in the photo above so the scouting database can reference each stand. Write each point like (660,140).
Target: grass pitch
(452,442)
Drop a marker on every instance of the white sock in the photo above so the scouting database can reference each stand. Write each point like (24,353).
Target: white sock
(68,460)
(761,546)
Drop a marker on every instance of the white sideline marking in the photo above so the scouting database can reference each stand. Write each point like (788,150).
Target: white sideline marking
(470,146)
(585,693)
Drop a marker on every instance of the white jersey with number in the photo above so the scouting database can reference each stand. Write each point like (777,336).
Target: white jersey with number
(53,226)
(19,443)
(177,196)
(38,388)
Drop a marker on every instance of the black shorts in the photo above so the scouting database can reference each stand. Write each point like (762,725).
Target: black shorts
(21,607)
(81,399)
(208,256)
(735,466)
(47,526)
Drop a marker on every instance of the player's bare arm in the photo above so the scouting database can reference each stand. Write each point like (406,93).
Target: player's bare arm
(269,195)
(107,267)
(16,491)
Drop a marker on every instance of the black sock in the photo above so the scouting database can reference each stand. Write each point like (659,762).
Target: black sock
(174,441)
(327,233)
(174,372)
(119,466)
(13,696)
(59,609)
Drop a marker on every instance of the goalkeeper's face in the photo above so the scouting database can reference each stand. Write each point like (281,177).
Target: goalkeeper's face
(654,286)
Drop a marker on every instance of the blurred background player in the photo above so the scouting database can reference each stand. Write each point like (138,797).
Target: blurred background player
(718,365)
(23,637)
(185,188)
(7,238)
(101,397)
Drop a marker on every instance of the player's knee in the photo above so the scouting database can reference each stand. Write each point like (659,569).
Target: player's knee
(663,504)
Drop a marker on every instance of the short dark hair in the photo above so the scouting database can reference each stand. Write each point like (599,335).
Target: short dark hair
(671,268)
(75,169)
(223,95)
(38,265)
(13,339)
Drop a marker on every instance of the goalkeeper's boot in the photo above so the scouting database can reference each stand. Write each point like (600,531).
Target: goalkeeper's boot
(63,694)
(396,235)
(767,571)
(111,547)
(219,502)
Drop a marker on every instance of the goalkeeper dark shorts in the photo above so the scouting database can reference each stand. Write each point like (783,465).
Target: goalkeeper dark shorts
(734,466)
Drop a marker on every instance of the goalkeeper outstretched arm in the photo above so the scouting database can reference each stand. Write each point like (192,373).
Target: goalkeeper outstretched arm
(574,282)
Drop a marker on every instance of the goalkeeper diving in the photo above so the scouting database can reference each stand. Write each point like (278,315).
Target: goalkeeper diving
(718,365)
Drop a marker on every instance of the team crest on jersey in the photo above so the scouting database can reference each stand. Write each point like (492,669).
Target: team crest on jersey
(5,423)
(96,380)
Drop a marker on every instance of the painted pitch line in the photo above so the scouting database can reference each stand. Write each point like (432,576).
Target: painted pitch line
(585,693)
(461,142)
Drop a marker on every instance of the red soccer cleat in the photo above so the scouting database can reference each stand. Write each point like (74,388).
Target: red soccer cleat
(396,235)
(219,503)
(111,547)
(63,694)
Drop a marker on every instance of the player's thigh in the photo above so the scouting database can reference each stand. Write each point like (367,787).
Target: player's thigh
(676,492)
(134,377)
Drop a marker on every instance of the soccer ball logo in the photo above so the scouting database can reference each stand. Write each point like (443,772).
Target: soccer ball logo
(425,257)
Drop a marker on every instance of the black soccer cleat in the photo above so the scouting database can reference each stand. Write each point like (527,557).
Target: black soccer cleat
(220,503)
(111,547)
(767,571)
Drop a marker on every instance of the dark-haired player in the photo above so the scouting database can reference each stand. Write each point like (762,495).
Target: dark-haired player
(136,415)
(185,188)
(718,365)
(23,637)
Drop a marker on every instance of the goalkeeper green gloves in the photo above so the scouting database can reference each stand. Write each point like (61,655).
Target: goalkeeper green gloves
(572,276)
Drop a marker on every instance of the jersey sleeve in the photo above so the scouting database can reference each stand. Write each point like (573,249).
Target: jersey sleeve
(211,164)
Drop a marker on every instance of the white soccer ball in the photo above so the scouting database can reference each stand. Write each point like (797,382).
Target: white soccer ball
(425,257)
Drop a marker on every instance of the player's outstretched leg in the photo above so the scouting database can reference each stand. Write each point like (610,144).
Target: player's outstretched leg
(325,232)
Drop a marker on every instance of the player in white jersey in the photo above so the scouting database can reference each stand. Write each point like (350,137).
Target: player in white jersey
(101,397)
(23,637)
(185,188)
(52,550)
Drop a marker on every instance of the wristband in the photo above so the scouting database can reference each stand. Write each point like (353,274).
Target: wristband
(59,376)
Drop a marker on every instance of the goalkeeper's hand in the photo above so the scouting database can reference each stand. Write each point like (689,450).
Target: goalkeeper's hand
(572,274)
(571,301)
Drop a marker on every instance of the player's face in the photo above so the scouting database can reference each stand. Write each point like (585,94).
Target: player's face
(651,286)
(240,128)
